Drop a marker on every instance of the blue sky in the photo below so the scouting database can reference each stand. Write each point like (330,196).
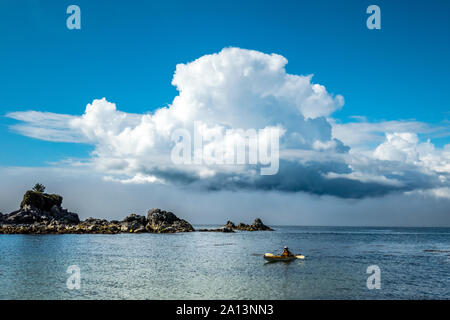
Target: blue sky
(395,82)
(127,53)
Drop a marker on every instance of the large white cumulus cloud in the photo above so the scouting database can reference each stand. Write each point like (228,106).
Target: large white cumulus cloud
(249,89)
(235,90)
(405,147)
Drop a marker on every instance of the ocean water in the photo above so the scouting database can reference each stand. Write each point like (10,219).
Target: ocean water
(229,266)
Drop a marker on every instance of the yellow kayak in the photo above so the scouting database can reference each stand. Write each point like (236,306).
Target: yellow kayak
(272,257)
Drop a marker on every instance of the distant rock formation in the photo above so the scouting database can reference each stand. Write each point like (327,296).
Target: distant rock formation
(133,223)
(160,221)
(257,225)
(230,227)
(157,221)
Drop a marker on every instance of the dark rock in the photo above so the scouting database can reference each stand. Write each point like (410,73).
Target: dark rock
(134,223)
(160,221)
(257,225)
(135,218)
(64,216)
(93,221)
(41,201)
(230,225)
(243,226)
(92,225)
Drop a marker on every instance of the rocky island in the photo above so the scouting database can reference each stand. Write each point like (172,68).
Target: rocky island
(257,225)
(42,213)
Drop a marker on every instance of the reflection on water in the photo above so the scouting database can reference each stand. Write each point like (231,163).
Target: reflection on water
(414,264)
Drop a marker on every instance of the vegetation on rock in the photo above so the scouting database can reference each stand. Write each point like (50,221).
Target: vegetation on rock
(38,187)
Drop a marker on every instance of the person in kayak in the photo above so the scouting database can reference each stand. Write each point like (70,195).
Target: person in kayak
(286,252)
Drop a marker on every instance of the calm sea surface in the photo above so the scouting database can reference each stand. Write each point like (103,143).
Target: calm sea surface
(229,266)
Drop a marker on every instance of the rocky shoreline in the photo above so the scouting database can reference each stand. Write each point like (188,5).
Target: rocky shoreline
(42,213)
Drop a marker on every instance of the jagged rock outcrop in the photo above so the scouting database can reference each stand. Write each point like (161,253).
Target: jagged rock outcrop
(41,213)
(41,201)
(230,225)
(260,226)
(160,221)
(257,225)
(134,223)
(92,225)
(40,208)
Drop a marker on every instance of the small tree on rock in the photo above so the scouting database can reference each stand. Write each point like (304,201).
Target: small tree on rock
(38,187)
